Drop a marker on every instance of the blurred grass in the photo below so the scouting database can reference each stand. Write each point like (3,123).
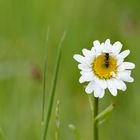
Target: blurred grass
(23,27)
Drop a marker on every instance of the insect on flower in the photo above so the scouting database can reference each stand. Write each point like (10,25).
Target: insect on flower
(103,67)
(107,59)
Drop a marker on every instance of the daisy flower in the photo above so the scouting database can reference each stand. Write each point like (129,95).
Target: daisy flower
(103,67)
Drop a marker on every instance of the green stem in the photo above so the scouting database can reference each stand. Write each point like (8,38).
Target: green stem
(95,123)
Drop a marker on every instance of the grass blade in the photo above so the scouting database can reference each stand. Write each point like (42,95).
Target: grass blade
(44,77)
(53,87)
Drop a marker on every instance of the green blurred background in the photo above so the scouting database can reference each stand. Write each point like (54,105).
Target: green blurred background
(23,27)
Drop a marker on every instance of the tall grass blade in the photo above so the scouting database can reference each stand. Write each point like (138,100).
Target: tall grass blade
(44,76)
(44,81)
(53,87)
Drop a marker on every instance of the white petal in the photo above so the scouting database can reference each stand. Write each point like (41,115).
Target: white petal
(84,67)
(102,83)
(121,56)
(81,79)
(125,72)
(97,47)
(119,84)
(124,54)
(93,50)
(100,49)
(107,42)
(123,85)
(126,65)
(107,46)
(79,58)
(125,76)
(83,71)
(90,87)
(87,77)
(117,46)
(111,87)
(86,52)
(89,59)
(129,79)
(119,60)
(102,93)
(96,43)
(98,90)
(96,94)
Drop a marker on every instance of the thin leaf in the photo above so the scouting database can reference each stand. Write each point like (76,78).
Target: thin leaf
(53,87)
(44,77)
(105,112)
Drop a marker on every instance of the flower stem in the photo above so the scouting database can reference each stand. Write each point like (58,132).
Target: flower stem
(95,122)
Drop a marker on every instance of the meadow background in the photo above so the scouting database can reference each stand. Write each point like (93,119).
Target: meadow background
(23,27)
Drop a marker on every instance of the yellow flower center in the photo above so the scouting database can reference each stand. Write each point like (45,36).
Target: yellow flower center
(104,66)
